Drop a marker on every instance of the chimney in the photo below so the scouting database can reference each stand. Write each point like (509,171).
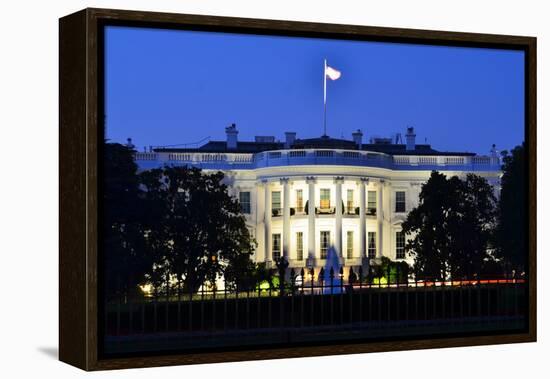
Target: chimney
(410,136)
(358,138)
(290,138)
(231,132)
(129,143)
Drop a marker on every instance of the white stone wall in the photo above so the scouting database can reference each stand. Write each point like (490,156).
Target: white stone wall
(408,181)
(388,181)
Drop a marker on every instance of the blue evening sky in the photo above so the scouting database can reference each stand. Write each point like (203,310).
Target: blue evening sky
(166,87)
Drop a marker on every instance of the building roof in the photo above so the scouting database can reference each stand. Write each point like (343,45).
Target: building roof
(323,142)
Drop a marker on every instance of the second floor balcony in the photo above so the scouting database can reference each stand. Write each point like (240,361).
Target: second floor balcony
(304,211)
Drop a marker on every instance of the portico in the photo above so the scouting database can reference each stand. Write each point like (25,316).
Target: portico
(334,217)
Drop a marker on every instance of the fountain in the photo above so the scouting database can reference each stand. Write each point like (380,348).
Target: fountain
(332,262)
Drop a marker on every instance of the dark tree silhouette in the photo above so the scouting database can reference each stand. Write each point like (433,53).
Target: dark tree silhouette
(195,229)
(242,274)
(511,232)
(471,227)
(451,227)
(125,257)
(393,272)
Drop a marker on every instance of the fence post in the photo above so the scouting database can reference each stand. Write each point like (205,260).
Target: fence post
(202,306)
(224,302)
(321,278)
(167,304)
(293,293)
(351,279)
(312,274)
(302,275)
(341,274)
(361,295)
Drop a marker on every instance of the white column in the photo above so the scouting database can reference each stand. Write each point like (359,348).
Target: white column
(286,218)
(363,217)
(258,210)
(311,222)
(267,221)
(338,237)
(380,218)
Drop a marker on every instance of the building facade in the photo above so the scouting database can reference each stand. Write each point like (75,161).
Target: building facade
(319,199)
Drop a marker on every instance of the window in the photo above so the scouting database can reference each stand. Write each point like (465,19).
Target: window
(299,200)
(294,154)
(349,205)
(276,246)
(325,242)
(400,201)
(371,244)
(300,246)
(371,203)
(276,203)
(244,199)
(325,198)
(349,245)
(399,245)
(324,153)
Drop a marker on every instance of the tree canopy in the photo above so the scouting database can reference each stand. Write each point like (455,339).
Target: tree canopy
(451,227)
(195,229)
(511,231)
(169,225)
(125,256)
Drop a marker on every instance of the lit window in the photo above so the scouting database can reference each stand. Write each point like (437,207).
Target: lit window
(244,199)
(371,203)
(299,246)
(325,198)
(399,245)
(400,201)
(299,200)
(276,203)
(325,242)
(349,206)
(372,244)
(276,246)
(349,245)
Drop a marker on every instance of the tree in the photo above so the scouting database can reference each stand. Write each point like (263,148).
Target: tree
(125,258)
(451,227)
(196,230)
(430,245)
(471,227)
(511,231)
(389,272)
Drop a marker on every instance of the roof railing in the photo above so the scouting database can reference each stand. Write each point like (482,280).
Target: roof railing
(227,160)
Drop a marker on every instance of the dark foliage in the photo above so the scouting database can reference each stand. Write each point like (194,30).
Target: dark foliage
(125,255)
(451,228)
(511,233)
(170,225)
(196,229)
(391,272)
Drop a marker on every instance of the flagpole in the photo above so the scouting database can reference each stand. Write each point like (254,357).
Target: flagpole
(325,98)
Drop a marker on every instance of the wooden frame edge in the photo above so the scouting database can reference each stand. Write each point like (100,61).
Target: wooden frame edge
(72,193)
(78,71)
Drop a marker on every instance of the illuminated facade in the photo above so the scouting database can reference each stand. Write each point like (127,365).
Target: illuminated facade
(313,199)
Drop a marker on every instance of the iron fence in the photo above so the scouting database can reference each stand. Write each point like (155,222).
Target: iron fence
(312,306)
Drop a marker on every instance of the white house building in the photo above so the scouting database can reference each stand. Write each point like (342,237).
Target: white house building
(304,198)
